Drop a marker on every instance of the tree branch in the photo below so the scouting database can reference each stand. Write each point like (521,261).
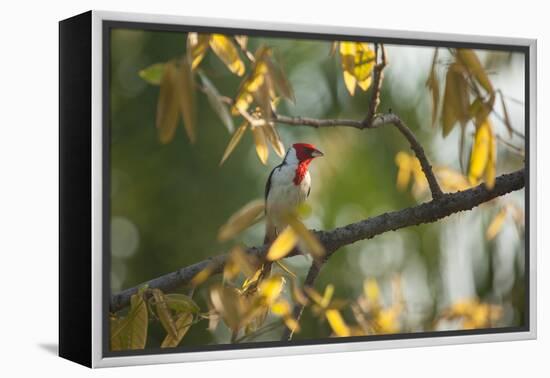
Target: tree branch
(378,121)
(428,212)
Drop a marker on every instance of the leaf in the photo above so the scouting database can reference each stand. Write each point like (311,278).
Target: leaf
(357,60)
(235,139)
(469,58)
(197,45)
(153,74)
(241,220)
(280,81)
(433,85)
(229,304)
(482,158)
(273,138)
(337,323)
(181,303)
(403,162)
(490,170)
(187,99)
(507,122)
(371,291)
(313,246)
(131,332)
(245,263)
(271,288)
(182,324)
(282,246)
(253,82)
(496,224)
(163,312)
(242,40)
(202,276)
(168,104)
(261,143)
(227,52)
(214,98)
(327,296)
(455,99)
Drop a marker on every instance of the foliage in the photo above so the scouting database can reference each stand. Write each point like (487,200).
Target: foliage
(250,299)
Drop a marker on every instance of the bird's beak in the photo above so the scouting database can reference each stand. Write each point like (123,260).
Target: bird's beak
(316,153)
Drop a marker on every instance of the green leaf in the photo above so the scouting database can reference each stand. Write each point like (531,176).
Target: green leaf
(455,99)
(153,73)
(187,99)
(163,312)
(181,303)
(167,105)
(131,332)
(214,98)
(471,61)
(183,323)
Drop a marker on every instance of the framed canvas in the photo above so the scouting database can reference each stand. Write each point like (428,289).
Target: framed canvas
(234,189)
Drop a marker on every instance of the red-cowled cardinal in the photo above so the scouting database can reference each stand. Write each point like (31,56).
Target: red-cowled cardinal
(287,187)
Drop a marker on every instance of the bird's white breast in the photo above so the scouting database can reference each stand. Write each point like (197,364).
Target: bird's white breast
(284,195)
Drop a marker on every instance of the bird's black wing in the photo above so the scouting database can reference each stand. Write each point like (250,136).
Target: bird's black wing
(268,183)
(308,191)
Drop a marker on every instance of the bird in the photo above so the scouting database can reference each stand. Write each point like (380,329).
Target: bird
(287,187)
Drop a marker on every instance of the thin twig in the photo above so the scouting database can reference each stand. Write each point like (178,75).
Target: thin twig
(312,275)
(378,76)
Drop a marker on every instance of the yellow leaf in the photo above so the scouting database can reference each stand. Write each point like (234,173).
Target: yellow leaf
(230,305)
(227,52)
(433,86)
(388,320)
(282,246)
(168,104)
(371,291)
(280,81)
(187,99)
(327,296)
(491,170)
(455,99)
(253,83)
(261,143)
(471,61)
(241,220)
(274,139)
(281,308)
(182,324)
(403,162)
(271,288)
(337,323)
(450,180)
(235,139)
(230,269)
(242,40)
(312,244)
(496,224)
(197,45)
(245,262)
(216,103)
(202,276)
(482,158)
(357,60)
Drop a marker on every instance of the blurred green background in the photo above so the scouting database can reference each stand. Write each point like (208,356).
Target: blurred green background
(168,201)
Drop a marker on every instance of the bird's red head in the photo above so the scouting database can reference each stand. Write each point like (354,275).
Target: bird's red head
(306,151)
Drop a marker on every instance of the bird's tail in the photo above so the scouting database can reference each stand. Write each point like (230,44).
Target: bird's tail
(270,235)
